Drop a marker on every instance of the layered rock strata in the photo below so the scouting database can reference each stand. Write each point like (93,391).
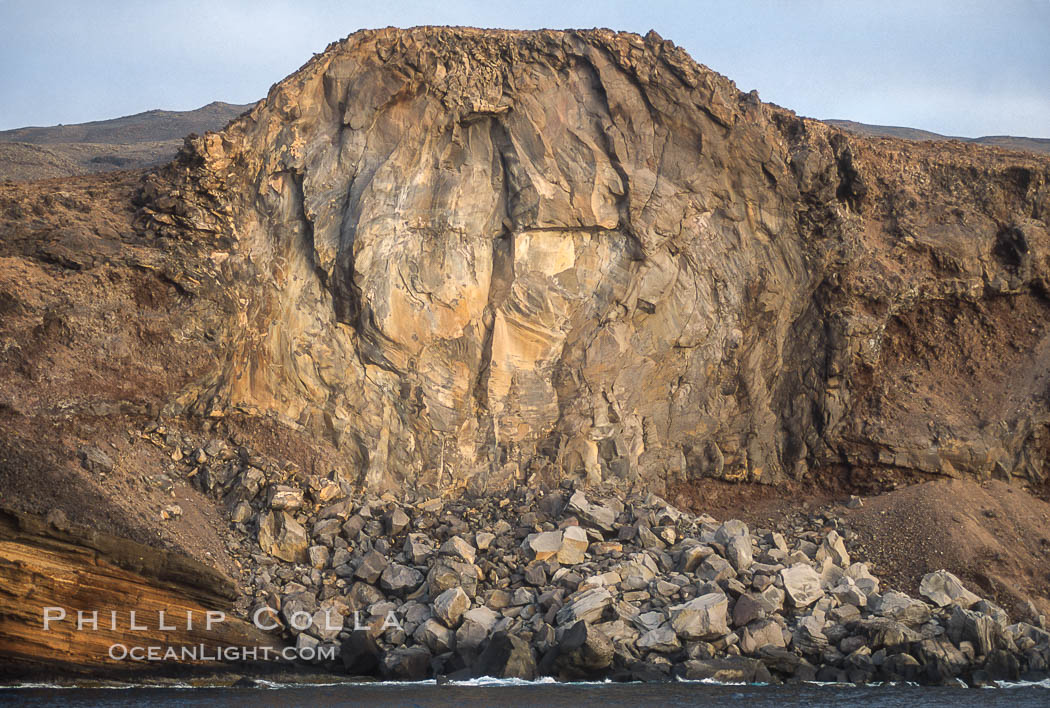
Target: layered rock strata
(67,595)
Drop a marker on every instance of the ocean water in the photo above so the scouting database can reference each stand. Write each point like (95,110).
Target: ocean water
(509,694)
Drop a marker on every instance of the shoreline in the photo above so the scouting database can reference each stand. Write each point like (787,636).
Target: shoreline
(335,681)
(587,587)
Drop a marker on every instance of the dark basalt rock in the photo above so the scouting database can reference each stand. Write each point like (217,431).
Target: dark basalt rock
(506,656)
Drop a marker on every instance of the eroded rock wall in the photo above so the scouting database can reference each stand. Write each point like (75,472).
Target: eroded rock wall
(476,258)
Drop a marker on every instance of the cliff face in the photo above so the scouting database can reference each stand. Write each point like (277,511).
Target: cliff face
(473,258)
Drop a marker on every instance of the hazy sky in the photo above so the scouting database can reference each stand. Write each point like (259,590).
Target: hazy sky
(957,67)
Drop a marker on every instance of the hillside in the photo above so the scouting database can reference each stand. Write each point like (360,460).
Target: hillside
(129,142)
(1008,142)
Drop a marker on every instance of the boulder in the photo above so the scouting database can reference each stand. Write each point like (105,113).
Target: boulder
(360,654)
(362,595)
(730,530)
(715,568)
(748,608)
(942,659)
(400,579)
(469,638)
(586,606)
(981,630)
(325,530)
(435,636)
(900,667)
(353,527)
(596,515)
(328,492)
(574,544)
(584,650)
(833,547)
(808,636)
(406,664)
(898,606)
(297,609)
(418,548)
(241,513)
(536,574)
(449,573)
(318,557)
(506,656)
(327,621)
(943,589)
(396,521)
(281,536)
(733,669)
(701,618)
(648,539)
(859,573)
(459,548)
(371,567)
(1001,665)
(761,633)
(483,539)
(544,545)
(885,633)
(285,498)
(801,584)
(482,616)
(738,552)
(662,639)
(94,460)
(692,556)
(847,592)
(450,605)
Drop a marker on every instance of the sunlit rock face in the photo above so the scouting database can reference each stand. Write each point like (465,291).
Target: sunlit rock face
(476,258)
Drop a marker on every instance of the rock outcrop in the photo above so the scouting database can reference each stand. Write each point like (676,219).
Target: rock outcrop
(472,258)
(78,601)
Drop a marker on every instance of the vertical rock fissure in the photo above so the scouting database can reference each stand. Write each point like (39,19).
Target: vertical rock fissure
(309,244)
(501,279)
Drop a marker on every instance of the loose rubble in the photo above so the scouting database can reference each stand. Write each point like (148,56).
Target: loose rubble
(568,584)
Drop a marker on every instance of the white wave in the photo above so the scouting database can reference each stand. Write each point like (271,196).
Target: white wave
(716,682)
(491,681)
(265,683)
(1045,683)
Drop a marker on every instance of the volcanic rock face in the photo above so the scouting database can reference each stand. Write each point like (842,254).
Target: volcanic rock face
(471,258)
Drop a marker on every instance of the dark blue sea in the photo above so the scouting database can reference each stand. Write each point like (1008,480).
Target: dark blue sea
(542,695)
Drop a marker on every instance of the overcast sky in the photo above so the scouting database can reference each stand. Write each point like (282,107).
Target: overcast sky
(958,67)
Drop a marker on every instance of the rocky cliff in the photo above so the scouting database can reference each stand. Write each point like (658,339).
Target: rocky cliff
(445,260)
(476,258)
